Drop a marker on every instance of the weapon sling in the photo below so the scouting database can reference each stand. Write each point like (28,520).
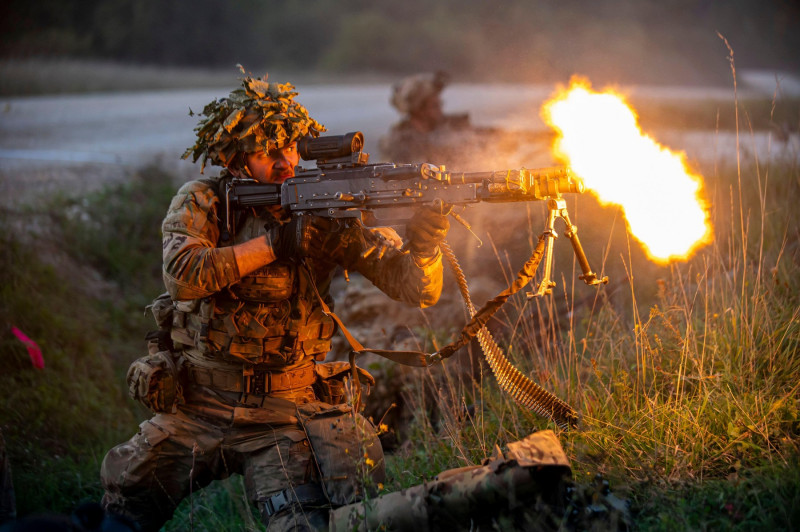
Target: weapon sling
(519,386)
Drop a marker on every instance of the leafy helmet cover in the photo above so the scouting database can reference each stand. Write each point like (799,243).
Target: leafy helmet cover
(257,116)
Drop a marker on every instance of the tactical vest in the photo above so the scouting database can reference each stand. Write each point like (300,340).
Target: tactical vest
(270,317)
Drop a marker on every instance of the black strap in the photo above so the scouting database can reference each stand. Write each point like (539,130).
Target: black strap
(303,494)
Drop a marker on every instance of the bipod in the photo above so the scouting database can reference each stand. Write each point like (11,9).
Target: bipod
(557,208)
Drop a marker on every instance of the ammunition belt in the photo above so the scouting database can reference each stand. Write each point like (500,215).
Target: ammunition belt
(253,381)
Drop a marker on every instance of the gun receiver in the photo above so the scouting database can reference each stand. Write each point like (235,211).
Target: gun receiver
(344,185)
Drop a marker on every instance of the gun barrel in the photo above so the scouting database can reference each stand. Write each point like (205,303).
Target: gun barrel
(540,183)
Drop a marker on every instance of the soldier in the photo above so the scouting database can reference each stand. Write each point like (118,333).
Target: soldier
(236,376)
(422,132)
(426,133)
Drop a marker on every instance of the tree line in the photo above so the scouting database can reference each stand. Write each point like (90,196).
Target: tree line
(511,40)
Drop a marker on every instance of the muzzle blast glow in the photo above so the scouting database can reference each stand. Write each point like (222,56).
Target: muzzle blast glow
(660,196)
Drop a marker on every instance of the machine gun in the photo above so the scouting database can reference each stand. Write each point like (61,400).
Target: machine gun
(344,185)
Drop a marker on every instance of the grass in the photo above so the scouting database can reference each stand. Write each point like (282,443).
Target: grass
(56,421)
(686,376)
(688,393)
(221,507)
(762,498)
(48,76)
(79,294)
(779,115)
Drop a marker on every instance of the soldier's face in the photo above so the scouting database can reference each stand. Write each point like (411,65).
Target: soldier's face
(432,109)
(275,167)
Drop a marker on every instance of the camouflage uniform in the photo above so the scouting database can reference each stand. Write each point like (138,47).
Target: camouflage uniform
(252,394)
(521,489)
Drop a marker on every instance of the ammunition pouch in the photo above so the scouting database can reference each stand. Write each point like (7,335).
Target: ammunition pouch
(252,380)
(330,384)
(265,333)
(347,451)
(155,381)
(162,308)
(271,283)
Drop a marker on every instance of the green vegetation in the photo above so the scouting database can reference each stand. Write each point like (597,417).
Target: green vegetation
(55,421)
(779,115)
(221,507)
(612,41)
(688,392)
(59,76)
(77,288)
(686,376)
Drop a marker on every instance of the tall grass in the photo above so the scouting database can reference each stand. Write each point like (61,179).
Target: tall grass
(685,376)
(703,379)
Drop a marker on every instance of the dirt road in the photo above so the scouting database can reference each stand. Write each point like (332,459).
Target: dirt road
(82,140)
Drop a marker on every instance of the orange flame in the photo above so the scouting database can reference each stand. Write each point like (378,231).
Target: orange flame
(600,138)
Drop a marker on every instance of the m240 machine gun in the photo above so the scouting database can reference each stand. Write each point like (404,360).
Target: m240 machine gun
(345,185)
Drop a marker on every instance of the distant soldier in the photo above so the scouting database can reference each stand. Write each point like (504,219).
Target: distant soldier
(426,134)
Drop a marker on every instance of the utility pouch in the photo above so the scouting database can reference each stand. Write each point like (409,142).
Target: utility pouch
(162,308)
(347,451)
(330,384)
(155,381)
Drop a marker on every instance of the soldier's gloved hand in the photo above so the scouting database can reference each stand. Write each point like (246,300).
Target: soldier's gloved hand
(426,230)
(153,380)
(309,236)
(282,240)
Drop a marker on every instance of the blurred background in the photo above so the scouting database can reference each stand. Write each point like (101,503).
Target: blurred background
(624,41)
(94,115)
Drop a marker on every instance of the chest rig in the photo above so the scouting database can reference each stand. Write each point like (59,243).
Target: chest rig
(271,317)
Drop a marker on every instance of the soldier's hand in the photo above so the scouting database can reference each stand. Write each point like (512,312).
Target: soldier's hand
(308,236)
(153,381)
(426,230)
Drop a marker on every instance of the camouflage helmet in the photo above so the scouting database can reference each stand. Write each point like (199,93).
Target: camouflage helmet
(410,94)
(257,116)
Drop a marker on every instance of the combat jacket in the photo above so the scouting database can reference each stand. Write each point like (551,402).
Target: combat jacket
(273,317)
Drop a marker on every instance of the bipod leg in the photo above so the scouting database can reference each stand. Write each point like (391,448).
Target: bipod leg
(571,232)
(550,235)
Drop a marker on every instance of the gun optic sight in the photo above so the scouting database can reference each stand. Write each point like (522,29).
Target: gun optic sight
(330,146)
